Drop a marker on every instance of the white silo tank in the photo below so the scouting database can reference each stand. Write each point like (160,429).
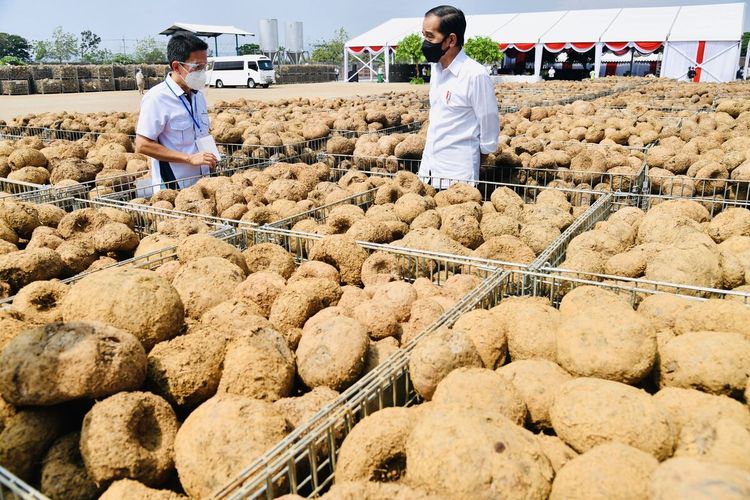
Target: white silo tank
(294,41)
(269,35)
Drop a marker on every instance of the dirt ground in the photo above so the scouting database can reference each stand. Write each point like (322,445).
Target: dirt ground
(11,106)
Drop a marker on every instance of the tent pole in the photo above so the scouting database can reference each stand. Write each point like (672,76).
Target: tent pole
(216,46)
(632,58)
(598,49)
(346,65)
(387,63)
(538,53)
(237,45)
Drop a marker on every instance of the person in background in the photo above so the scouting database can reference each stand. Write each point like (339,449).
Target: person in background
(740,73)
(464,125)
(336,71)
(691,73)
(140,81)
(592,73)
(173,126)
(551,73)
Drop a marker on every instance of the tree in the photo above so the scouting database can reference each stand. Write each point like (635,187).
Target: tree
(122,59)
(89,45)
(149,51)
(14,46)
(11,61)
(61,47)
(743,45)
(483,49)
(249,49)
(330,51)
(409,50)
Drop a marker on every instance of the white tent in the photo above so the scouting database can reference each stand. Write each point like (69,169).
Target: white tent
(706,37)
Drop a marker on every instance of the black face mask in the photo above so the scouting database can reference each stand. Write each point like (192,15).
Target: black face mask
(433,51)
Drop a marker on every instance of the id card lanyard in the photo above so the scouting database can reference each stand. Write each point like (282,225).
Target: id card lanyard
(190,112)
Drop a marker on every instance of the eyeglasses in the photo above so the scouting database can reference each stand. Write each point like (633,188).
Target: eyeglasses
(195,66)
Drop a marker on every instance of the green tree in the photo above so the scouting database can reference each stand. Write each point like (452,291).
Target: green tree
(149,51)
(122,59)
(409,50)
(249,49)
(330,51)
(89,45)
(61,47)
(743,45)
(483,49)
(14,46)
(11,61)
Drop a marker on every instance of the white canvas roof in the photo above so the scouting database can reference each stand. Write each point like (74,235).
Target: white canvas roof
(580,26)
(718,22)
(206,30)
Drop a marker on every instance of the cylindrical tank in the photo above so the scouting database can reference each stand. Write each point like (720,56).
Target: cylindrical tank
(294,41)
(269,35)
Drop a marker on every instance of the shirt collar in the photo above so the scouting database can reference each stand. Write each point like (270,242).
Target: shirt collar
(176,88)
(458,61)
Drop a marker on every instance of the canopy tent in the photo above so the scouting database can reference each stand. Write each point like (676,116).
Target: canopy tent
(704,36)
(209,31)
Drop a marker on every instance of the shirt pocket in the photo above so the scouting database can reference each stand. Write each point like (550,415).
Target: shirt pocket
(205,124)
(182,129)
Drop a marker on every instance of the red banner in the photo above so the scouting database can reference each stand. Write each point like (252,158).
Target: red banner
(524,47)
(502,46)
(699,60)
(616,46)
(554,47)
(356,50)
(647,47)
(582,46)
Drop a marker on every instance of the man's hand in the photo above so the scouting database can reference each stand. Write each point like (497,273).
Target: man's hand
(199,159)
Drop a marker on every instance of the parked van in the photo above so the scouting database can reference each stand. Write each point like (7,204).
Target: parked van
(236,71)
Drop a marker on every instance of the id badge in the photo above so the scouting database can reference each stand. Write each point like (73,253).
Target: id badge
(207,144)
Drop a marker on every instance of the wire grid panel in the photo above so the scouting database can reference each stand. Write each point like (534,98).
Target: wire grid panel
(398,129)
(146,221)
(48,134)
(386,163)
(13,188)
(362,200)
(260,474)
(315,145)
(13,488)
(616,182)
(709,191)
(308,467)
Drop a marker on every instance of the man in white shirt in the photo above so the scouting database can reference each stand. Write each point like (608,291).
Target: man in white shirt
(551,73)
(464,122)
(174,116)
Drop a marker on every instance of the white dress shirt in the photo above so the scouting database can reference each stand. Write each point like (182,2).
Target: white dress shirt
(165,118)
(464,121)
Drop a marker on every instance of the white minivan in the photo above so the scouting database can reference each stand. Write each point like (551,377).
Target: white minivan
(235,71)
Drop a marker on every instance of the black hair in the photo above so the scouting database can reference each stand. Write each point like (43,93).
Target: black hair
(452,20)
(182,44)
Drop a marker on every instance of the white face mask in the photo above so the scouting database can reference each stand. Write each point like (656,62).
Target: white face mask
(196,80)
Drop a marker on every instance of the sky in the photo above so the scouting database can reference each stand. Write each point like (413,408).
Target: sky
(121,23)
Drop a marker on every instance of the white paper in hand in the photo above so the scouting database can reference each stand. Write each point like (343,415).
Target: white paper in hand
(207,144)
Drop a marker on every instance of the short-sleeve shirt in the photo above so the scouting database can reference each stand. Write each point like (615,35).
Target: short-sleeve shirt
(165,118)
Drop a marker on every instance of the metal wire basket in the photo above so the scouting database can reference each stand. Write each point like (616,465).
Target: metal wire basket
(307,467)
(146,221)
(398,129)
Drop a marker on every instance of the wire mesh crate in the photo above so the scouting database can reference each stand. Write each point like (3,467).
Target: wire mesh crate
(307,466)
(398,129)
(719,190)
(145,222)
